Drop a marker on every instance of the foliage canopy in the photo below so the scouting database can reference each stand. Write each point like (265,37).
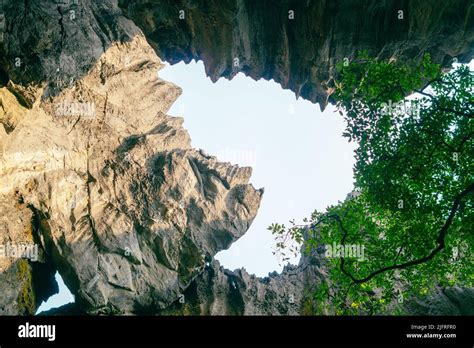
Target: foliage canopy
(412,205)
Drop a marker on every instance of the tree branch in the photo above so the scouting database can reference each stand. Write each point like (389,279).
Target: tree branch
(440,240)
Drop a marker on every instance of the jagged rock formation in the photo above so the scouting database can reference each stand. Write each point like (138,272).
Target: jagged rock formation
(447,301)
(218,291)
(94,171)
(298,43)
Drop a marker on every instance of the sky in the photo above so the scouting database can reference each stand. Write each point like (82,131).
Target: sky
(296,151)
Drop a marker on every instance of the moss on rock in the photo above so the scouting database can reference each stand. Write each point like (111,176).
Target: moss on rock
(26,297)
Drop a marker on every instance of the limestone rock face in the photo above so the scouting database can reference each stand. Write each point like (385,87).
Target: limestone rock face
(218,291)
(124,207)
(444,301)
(95,172)
(298,43)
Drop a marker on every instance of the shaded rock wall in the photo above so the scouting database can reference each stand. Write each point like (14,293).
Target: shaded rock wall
(218,291)
(444,301)
(23,285)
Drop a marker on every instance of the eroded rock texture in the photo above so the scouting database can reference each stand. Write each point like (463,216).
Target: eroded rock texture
(94,171)
(218,291)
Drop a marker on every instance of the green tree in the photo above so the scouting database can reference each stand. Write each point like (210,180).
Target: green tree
(412,206)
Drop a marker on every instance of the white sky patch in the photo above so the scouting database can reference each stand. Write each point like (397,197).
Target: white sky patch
(297,153)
